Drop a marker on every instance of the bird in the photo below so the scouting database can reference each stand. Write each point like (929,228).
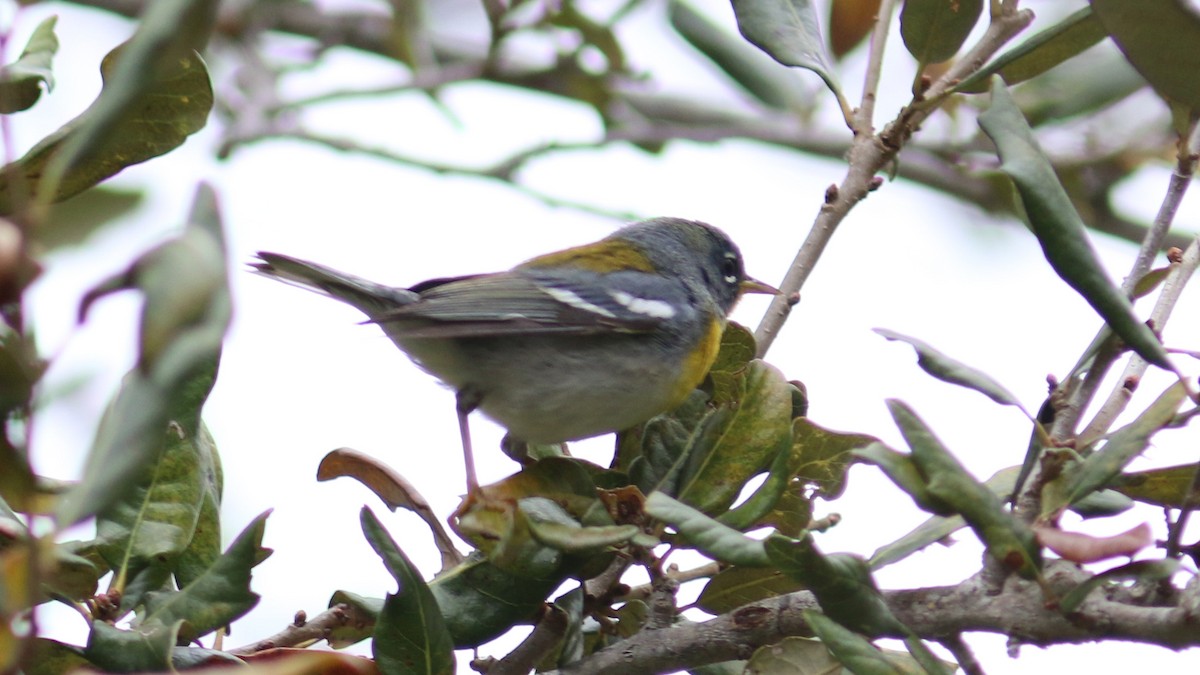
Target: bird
(568,345)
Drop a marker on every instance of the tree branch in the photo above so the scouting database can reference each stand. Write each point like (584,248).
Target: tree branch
(306,632)
(640,117)
(933,613)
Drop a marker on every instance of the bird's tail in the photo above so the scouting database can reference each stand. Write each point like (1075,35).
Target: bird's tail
(368,297)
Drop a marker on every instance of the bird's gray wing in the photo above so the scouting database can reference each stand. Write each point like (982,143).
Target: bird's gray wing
(508,303)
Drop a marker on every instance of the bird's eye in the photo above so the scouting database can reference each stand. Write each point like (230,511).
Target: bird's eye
(731,268)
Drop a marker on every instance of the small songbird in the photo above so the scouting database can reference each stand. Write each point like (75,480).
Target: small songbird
(571,344)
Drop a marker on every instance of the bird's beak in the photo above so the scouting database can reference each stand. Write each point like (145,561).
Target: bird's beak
(750,285)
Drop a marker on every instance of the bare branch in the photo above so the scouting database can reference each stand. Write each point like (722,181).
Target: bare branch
(638,116)
(546,635)
(962,653)
(933,613)
(869,154)
(302,633)
(863,122)
(1181,273)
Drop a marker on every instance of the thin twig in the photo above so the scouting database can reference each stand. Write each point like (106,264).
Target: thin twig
(1181,272)
(601,585)
(869,153)
(1186,506)
(1181,179)
(963,654)
(303,633)
(680,576)
(352,146)
(866,157)
(424,80)
(546,635)
(864,116)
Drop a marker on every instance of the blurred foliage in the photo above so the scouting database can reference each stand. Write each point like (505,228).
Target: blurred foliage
(739,457)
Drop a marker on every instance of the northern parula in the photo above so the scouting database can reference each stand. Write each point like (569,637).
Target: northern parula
(568,345)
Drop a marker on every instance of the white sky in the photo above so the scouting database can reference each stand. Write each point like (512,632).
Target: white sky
(300,377)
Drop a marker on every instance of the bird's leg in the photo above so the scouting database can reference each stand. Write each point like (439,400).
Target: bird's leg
(467,400)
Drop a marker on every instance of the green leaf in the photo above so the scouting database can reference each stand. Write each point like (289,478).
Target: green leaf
(1159,38)
(34,570)
(841,582)
(901,469)
(759,504)
(953,371)
(746,66)
(1041,52)
(1121,448)
(130,651)
(570,648)
(631,618)
(205,545)
(737,351)
(21,81)
(1058,227)
(792,512)
(514,547)
(51,657)
(849,648)
(1102,504)
(153,520)
(410,634)
(363,611)
(21,368)
(735,586)
(933,530)
(822,456)
(157,121)
(1145,571)
(652,453)
(74,577)
(1078,87)
(574,538)
(747,436)
(934,30)
(938,528)
(186,314)
(788,30)
(1168,486)
(709,536)
(499,521)
(479,601)
(185,283)
(1150,281)
(797,655)
(674,450)
(1008,540)
(72,221)
(927,662)
(219,595)
(148,578)
(156,93)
